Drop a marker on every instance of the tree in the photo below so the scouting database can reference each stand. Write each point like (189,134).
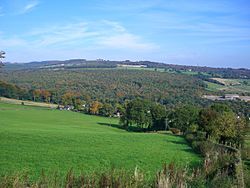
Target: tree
(137,114)
(158,113)
(36,94)
(183,117)
(95,107)
(45,95)
(106,110)
(67,98)
(77,103)
(221,124)
(12,91)
(55,96)
(224,126)
(207,116)
(205,120)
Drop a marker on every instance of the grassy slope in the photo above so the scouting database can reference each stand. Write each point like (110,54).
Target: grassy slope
(35,138)
(242,88)
(213,86)
(27,103)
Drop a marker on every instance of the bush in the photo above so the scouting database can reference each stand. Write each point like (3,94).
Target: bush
(225,182)
(201,135)
(189,137)
(245,153)
(202,147)
(199,182)
(196,145)
(193,128)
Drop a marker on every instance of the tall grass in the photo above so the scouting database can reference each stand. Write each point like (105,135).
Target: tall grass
(169,177)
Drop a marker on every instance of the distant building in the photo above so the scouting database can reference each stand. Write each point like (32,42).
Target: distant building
(68,107)
(245,98)
(117,114)
(227,97)
(100,60)
(132,66)
(231,96)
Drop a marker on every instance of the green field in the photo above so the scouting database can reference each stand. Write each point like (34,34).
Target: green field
(33,139)
(242,86)
(213,86)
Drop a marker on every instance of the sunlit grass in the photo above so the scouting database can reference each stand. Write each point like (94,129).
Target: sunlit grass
(34,139)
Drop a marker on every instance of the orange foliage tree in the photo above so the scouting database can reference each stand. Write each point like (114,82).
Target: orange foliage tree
(95,107)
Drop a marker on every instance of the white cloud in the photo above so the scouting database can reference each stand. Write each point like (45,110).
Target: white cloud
(89,35)
(62,34)
(29,6)
(80,39)
(99,39)
(12,42)
(114,25)
(125,41)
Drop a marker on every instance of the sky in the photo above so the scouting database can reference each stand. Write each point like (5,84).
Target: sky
(212,33)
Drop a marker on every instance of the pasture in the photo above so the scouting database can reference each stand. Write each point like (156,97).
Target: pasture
(230,85)
(27,103)
(33,139)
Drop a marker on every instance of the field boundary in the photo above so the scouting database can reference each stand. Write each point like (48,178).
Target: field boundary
(27,103)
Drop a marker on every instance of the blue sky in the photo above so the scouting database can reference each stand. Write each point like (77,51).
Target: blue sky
(205,33)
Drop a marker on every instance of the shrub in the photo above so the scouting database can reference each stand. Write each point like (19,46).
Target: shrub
(202,147)
(189,137)
(245,153)
(225,182)
(193,128)
(199,182)
(201,135)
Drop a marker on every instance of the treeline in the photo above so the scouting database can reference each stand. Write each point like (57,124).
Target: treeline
(111,86)
(207,78)
(217,122)
(83,63)
(216,132)
(107,92)
(13,91)
(214,72)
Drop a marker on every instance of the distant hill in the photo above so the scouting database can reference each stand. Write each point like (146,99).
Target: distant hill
(99,63)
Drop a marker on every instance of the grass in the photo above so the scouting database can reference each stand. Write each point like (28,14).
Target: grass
(227,82)
(213,86)
(231,85)
(27,103)
(33,139)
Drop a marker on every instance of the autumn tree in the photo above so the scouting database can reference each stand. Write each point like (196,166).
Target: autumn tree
(67,98)
(45,95)
(95,107)
(36,94)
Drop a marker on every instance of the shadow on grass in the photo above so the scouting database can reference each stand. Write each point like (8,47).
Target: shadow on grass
(178,142)
(112,125)
(129,129)
(189,150)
